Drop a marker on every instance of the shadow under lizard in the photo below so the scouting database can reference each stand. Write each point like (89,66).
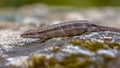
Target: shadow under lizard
(66,29)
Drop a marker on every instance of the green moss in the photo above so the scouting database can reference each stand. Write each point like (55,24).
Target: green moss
(36,61)
(91,45)
(71,61)
(94,45)
(111,44)
(77,60)
(114,44)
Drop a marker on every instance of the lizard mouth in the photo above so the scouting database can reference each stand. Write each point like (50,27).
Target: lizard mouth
(28,36)
(24,36)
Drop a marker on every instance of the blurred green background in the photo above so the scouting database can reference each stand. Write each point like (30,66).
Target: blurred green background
(75,3)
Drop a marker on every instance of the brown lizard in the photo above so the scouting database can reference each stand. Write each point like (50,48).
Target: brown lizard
(66,29)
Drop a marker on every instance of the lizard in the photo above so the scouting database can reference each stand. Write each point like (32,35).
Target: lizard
(66,29)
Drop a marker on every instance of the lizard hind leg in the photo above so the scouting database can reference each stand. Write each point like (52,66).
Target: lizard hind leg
(91,29)
(42,40)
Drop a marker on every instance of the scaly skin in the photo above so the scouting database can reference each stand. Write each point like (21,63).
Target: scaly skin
(66,29)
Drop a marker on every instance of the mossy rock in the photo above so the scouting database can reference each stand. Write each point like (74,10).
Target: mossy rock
(94,45)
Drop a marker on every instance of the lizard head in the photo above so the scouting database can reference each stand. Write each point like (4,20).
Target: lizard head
(30,34)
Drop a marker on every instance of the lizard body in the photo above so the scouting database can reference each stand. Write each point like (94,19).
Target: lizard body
(66,29)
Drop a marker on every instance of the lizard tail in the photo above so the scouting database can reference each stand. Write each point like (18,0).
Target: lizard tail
(104,28)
